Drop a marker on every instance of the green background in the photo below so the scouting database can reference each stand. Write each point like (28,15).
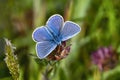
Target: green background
(100,27)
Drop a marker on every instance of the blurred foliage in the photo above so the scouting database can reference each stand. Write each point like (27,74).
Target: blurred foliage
(100,23)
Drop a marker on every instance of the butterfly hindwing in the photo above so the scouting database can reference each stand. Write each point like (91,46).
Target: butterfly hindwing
(69,30)
(44,48)
(55,24)
(41,34)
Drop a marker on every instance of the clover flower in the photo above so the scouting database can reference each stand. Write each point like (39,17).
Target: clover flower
(105,58)
(60,52)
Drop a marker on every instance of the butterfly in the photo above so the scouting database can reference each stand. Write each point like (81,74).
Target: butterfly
(51,35)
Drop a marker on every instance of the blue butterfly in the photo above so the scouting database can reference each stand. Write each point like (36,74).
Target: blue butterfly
(52,34)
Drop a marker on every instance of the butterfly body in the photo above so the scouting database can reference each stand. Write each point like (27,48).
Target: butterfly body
(56,38)
(52,34)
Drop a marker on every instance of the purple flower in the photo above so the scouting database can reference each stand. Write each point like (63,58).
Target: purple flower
(60,52)
(105,58)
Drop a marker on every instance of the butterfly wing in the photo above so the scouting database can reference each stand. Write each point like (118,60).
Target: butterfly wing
(69,30)
(44,48)
(41,34)
(55,24)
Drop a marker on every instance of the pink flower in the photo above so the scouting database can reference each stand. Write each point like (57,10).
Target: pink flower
(60,52)
(105,58)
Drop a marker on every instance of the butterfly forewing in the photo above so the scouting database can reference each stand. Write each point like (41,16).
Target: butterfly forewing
(44,48)
(55,24)
(41,34)
(69,30)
